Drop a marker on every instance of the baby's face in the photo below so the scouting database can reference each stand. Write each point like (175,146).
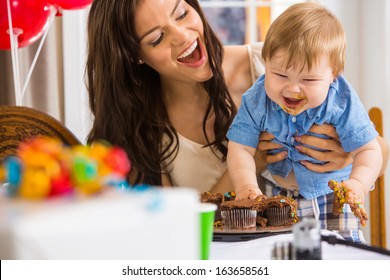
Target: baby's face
(296,90)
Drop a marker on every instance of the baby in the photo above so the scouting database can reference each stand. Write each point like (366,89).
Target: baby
(304,57)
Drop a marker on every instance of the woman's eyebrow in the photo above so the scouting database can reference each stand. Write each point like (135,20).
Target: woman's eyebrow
(157,27)
(175,7)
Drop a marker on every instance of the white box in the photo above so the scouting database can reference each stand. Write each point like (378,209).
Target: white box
(153,224)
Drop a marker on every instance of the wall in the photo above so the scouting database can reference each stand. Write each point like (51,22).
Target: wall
(77,114)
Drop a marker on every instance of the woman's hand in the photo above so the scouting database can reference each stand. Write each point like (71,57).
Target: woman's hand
(334,154)
(262,158)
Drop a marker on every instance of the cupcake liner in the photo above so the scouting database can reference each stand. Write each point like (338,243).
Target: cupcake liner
(218,216)
(239,218)
(278,216)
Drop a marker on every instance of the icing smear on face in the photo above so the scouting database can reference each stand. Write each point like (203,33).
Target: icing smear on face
(294,105)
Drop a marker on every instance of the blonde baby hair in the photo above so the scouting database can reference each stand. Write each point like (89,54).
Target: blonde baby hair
(304,33)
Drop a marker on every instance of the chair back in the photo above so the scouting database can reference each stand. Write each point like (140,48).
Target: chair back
(377,196)
(18,124)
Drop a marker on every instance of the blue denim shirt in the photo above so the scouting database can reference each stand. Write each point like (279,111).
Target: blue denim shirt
(342,109)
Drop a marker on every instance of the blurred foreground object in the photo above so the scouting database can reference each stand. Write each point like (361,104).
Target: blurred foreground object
(151,223)
(307,240)
(306,244)
(44,167)
(73,202)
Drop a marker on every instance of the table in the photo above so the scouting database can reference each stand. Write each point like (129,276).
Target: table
(261,249)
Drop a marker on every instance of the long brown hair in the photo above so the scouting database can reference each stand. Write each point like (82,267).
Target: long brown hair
(125,97)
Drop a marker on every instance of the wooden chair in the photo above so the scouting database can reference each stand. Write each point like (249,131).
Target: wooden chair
(19,123)
(377,196)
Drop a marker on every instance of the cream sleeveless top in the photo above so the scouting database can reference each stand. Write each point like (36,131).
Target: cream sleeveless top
(200,168)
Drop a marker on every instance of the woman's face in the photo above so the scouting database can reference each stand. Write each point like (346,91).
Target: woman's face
(171,40)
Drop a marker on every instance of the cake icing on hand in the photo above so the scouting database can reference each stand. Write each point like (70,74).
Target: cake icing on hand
(343,195)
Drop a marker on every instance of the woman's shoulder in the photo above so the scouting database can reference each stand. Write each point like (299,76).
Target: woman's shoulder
(242,65)
(236,50)
(256,60)
(235,58)
(237,70)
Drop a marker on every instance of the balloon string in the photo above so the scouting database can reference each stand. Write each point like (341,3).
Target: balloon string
(14,55)
(51,19)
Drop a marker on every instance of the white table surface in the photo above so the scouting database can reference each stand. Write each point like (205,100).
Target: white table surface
(261,249)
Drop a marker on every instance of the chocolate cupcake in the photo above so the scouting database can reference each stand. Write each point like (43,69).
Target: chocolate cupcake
(217,199)
(239,214)
(279,210)
(278,216)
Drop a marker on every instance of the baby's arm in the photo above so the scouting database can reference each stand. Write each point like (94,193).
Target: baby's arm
(242,170)
(367,162)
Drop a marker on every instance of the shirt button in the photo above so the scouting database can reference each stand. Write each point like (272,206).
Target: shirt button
(294,119)
(292,140)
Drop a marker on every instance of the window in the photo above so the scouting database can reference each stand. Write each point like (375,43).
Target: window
(242,21)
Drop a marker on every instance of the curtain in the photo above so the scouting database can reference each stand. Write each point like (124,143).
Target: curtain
(45,88)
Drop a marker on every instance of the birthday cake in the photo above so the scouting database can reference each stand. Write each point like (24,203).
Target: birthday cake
(70,203)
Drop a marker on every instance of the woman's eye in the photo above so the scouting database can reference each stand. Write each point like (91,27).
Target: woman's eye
(158,40)
(183,15)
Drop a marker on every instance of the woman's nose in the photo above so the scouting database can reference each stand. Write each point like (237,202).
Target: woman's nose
(179,35)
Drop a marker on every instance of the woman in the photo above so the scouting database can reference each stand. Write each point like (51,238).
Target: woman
(162,86)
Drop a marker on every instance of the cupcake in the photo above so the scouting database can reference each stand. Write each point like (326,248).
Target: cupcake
(278,216)
(278,210)
(239,214)
(217,199)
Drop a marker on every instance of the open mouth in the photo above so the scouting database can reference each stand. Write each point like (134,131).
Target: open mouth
(293,102)
(192,54)
(294,106)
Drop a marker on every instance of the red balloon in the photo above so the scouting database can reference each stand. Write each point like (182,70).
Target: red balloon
(71,4)
(29,19)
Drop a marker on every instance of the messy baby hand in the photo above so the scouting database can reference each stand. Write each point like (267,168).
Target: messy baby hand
(351,192)
(247,192)
(355,198)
